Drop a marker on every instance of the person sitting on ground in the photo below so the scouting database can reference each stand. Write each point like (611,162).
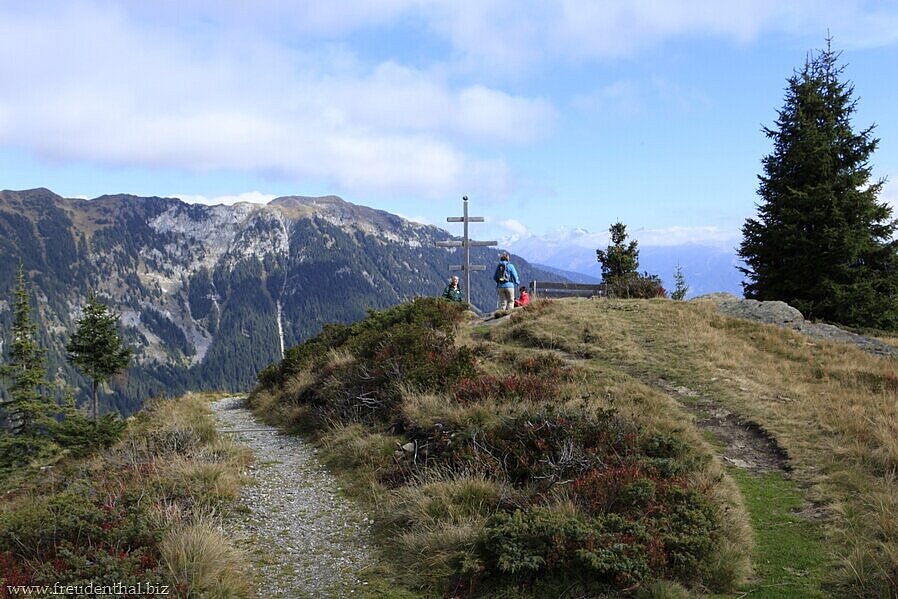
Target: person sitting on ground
(452,291)
(523,300)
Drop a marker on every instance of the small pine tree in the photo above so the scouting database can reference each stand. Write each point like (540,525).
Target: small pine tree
(619,260)
(27,408)
(96,347)
(681,287)
(822,242)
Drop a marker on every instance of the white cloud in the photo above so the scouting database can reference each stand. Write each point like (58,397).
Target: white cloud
(620,98)
(93,84)
(682,235)
(277,88)
(254,197)
(511,36)
(513,226)
(628,98)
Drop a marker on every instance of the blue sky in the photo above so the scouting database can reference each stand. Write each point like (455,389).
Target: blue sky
(548,115)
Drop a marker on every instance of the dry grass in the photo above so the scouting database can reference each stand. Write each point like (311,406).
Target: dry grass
(272,409)
(454,501)
(202,563)
(833,407)
(213,481)
(888,338)
(200,470)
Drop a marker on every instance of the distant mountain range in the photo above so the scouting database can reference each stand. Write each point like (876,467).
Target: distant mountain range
(706,267)
(210,295)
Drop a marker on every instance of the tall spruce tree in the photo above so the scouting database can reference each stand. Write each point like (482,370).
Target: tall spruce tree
(27,409)
(822,242)
(96,347)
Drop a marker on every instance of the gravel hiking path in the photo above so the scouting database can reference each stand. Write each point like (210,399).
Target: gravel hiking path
(303,537)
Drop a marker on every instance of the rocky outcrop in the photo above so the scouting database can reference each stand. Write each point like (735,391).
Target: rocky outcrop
(783,315)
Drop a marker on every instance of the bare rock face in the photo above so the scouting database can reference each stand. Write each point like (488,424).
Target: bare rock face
(773,312)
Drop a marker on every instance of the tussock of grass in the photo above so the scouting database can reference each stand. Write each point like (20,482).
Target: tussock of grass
(202,563)
(664,590)
(431,557)
(350,446)
(450,501)
(209,481)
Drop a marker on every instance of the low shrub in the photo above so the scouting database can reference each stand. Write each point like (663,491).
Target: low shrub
(600,553)
(635,286)
(78,535)
(368,337)
(82,436)
(359,371)
(531,387)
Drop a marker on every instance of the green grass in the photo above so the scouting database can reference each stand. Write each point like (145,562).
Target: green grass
(790,557)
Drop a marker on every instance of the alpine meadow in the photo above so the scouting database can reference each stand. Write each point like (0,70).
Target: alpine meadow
(661,362)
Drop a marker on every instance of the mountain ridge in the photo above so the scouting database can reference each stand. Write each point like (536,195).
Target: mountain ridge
(209,295)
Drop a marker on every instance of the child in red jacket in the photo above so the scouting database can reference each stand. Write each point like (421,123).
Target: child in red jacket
(523,300)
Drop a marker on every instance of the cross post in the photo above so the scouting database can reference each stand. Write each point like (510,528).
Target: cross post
(466,244)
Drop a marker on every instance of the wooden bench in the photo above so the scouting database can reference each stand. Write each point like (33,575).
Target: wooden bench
(553,289)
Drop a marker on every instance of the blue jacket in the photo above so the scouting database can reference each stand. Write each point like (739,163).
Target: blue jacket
(511,274)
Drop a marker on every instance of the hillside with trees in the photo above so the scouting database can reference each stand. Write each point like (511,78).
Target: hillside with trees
(208,295)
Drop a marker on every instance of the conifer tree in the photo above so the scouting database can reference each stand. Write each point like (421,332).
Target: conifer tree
(822,242)
(619,259)
(681,288)
(96,347)
(27,408)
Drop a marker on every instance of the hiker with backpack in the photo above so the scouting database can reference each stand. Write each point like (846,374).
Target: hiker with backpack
(506,278)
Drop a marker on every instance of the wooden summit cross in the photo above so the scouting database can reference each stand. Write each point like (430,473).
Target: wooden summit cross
(466,244)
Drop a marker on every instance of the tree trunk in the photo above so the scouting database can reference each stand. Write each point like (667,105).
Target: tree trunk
(95,402)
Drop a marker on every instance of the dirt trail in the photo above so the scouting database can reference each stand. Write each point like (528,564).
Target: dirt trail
(304,538)
(747,444)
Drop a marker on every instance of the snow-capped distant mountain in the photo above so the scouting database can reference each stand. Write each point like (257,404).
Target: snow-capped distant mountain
(709,265)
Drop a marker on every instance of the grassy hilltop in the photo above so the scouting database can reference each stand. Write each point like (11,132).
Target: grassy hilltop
(605,448)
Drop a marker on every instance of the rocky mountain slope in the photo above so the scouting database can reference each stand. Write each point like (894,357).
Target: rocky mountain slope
(209,295)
